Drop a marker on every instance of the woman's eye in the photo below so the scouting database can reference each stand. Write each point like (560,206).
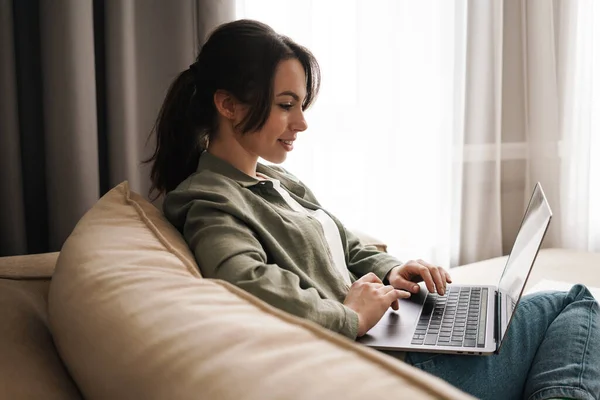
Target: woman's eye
(286,106)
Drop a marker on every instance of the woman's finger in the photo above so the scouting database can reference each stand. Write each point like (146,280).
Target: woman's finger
(385,289)
(439,276)
(424,273)
(440,281)
(395,294)
(411,286)
(389,290)
(448,277)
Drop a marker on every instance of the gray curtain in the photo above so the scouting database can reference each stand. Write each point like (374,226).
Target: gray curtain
(81,83)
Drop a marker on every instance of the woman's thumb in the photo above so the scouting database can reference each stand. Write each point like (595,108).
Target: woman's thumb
(407,285)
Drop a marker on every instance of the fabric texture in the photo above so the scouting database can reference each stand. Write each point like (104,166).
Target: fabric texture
(552,351)
(131,319)
(30,366)
(242,231)
(330,229)
(33,266)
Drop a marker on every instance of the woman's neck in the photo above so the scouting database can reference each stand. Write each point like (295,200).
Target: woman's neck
(233,152)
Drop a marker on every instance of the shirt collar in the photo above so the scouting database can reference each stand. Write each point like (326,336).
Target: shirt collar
(215,164)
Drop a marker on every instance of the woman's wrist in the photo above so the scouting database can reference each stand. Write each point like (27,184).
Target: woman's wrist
(386,279)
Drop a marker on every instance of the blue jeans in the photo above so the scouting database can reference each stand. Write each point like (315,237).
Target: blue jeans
(552,349)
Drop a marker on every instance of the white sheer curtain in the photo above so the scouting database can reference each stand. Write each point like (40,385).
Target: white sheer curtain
(562,64)
(532,112)
(580,125)
(437,117)
(377,152)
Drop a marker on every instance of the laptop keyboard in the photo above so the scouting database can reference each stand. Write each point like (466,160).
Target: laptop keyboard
(456,319)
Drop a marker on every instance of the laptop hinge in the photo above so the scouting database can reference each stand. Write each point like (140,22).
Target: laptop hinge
(498,319)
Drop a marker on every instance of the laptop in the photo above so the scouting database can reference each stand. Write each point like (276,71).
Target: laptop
(467,319)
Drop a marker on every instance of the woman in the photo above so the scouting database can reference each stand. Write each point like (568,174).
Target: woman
(261,229)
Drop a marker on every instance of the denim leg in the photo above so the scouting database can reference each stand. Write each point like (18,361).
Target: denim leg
(567,363)
(552,349)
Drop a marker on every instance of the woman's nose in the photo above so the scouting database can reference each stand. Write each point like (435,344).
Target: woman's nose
(300,124)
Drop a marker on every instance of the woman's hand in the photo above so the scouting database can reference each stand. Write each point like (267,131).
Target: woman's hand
(406,275)
(370,298)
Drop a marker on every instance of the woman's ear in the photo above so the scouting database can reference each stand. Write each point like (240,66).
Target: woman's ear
(225,104)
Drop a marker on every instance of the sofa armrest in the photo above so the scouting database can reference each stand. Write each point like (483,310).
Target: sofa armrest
(368,240)
(32,266)
(566,265)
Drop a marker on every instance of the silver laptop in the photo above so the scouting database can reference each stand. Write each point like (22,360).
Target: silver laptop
(467,319)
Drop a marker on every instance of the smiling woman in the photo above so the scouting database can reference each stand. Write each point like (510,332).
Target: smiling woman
(254,225)
(227,93)
(275,137)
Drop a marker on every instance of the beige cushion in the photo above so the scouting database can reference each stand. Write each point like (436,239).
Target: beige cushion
(132,320)
(553,264)
(30,367)
(369,240)
(28,267)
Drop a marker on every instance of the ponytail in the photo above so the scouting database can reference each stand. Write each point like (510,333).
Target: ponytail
(182,131)
(240,57)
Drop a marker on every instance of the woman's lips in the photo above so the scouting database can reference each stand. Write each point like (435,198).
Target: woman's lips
(288,145)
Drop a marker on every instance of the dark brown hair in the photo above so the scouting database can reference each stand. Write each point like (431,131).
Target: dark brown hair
(240,57)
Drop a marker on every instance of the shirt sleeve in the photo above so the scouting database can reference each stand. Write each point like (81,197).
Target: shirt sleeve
(226,248)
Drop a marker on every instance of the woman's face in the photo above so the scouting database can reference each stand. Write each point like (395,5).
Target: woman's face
(277,136)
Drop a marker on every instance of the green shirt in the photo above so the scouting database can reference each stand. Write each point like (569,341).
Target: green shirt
(242,231)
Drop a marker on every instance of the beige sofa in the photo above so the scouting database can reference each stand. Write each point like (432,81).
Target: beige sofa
(123,313)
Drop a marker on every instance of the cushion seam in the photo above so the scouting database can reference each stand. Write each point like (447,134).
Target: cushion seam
(144,217)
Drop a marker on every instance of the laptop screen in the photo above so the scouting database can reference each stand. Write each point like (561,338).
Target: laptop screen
(523,254)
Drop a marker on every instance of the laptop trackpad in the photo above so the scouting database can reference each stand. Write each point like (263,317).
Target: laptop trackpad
(408,312)
(395,325)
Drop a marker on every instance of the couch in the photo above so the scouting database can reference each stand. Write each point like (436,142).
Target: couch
(122,312)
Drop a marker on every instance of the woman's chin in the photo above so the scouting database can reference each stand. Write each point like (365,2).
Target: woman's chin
(275,158)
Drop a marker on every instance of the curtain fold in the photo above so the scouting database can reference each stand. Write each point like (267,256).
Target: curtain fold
(30,127)
(579,107)
(82,84)
(529,114)
(542,96)
(561,65)
(12,215)
(69,102)
(481,219)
